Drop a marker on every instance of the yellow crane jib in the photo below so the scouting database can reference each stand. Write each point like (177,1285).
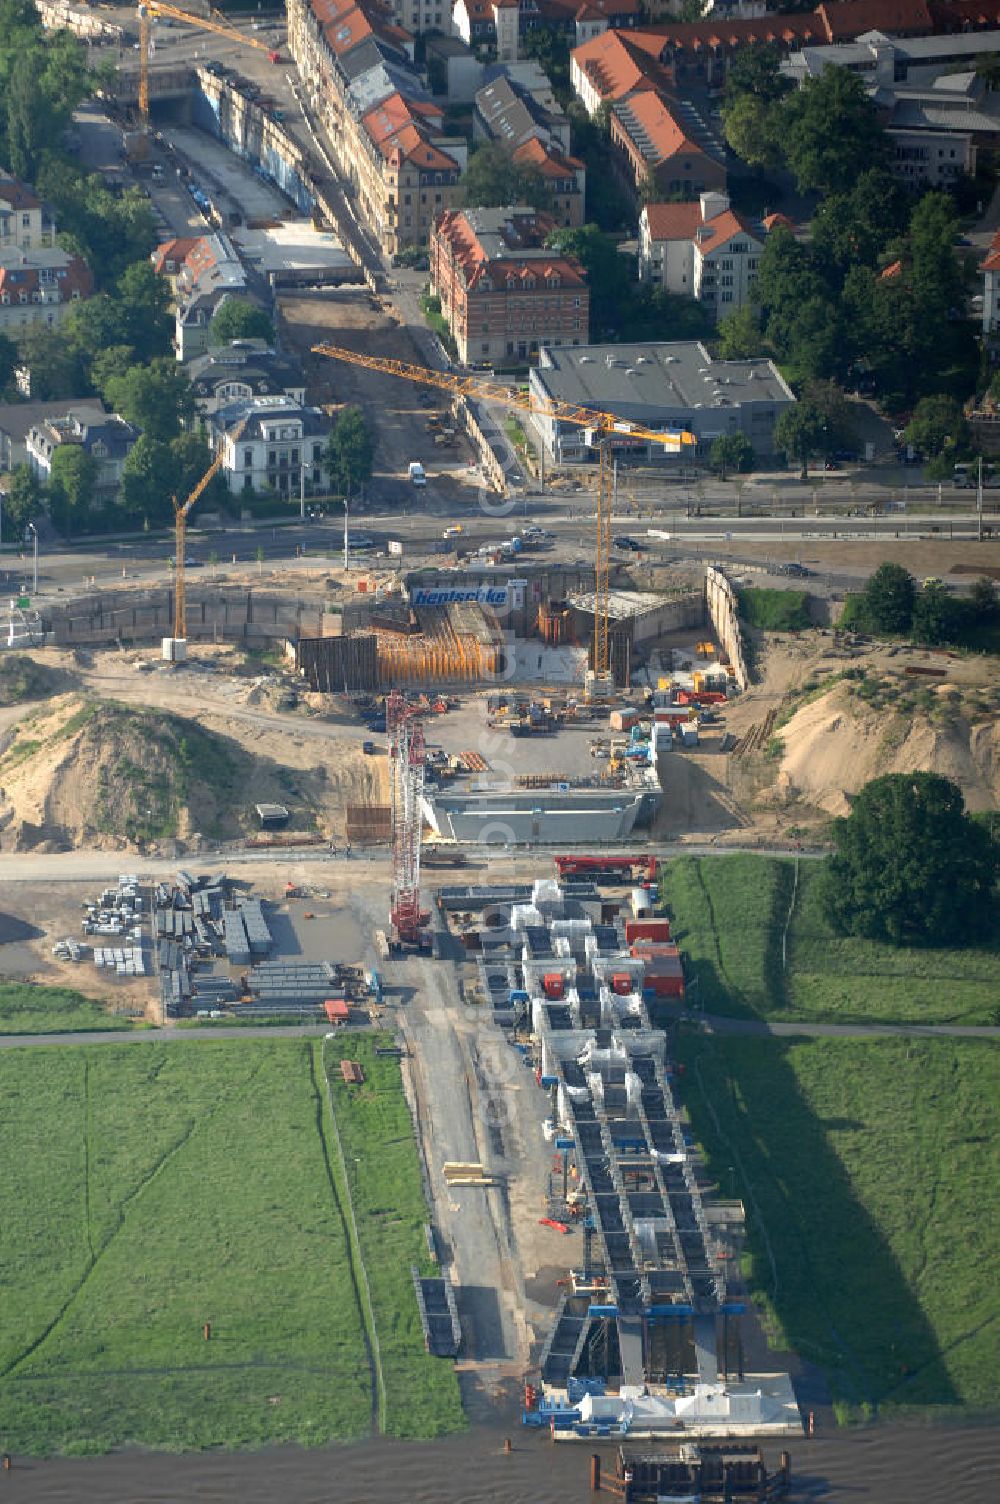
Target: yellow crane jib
(181,514)
(148,13)
(602,430)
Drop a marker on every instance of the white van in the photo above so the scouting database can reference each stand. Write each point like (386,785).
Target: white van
(417,473)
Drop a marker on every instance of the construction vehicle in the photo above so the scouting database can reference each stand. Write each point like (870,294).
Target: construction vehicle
(149,11)
(604,431)
(175,648)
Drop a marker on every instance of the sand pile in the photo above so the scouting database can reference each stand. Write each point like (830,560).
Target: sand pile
(101,773)
(837,743)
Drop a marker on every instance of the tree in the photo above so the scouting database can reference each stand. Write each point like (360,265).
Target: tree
(350,450)
(23,499)
(831,132)
(753,131)
(910,867)
(937,423)
(8,360)
(799,433)
(240,318)
(886,602)
(144,301)
(756,71)
(935,274)
(55,366)
(494,180)
(854,228)
(731,452)
(157,398)
(71,484)
(838,415)
(608,272)
(937,615)
(150,480)
(550,48)
(740,336)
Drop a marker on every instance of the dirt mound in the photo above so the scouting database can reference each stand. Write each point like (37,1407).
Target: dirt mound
(21,678)
(105,774)
(838,742)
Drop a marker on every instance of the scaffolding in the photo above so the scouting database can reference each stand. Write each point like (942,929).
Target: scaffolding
(459,644)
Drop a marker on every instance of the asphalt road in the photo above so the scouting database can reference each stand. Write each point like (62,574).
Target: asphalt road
(439,1048)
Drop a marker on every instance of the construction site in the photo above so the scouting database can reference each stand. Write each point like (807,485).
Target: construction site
(646,1338)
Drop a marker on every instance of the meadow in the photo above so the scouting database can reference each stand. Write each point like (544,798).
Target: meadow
(27,1009)
(871,1174)
(757,945)
(150,1189)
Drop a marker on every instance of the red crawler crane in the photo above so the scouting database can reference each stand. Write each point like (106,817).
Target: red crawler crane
(406,768)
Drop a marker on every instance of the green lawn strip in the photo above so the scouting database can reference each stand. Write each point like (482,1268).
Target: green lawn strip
(875,1168)
(200,1175)
(27,1009)
(729,915)
(383,1168)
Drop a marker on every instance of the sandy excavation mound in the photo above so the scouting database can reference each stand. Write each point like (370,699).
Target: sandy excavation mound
(21,678)
(837,743)
(101,773)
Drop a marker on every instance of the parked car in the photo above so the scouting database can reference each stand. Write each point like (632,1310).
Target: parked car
(624,541)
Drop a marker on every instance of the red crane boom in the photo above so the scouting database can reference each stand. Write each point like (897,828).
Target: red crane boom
(406,768)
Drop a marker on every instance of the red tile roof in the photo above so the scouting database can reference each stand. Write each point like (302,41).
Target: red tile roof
(73,277)
(851,18)
(722,229)
(672,221)
(661,135)
(529,231)
(549,161)
(616,63)
(17,195)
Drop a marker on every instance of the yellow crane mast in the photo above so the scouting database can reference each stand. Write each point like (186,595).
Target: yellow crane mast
(148,13)
(603,428)
(181,514)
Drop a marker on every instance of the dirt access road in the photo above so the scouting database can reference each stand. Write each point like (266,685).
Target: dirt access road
(352,317)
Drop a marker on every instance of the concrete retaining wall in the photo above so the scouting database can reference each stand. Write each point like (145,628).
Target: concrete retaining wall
(221,613)
(590,816)
(723,608)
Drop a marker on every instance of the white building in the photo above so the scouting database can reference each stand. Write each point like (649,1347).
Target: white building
(26,224)
(701,250)
(991,288)
(107,438)
(282,446)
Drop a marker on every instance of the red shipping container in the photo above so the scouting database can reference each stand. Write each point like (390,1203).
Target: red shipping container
(646,929)
(666,986)
(553,984)
(336,1010)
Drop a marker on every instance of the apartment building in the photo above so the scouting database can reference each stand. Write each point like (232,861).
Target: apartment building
(108,439)
(26,224)
(665,146)
(241,370)
(282,446)
(504,294)
(991,290)
(536,136)
(39,287)
(702,250)
(385,130)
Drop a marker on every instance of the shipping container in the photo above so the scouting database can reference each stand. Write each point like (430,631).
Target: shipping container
(654,928)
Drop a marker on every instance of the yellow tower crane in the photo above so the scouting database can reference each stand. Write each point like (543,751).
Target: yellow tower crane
(602,431)
(148,12)
(181,514)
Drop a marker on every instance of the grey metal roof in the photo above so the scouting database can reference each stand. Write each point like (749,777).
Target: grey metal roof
(652,383)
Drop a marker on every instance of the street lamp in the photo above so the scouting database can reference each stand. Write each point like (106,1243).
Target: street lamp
(34,535)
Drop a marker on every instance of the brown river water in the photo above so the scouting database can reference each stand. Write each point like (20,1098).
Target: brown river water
(883,1464)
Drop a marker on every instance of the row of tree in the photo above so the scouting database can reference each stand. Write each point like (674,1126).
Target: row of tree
(893,604)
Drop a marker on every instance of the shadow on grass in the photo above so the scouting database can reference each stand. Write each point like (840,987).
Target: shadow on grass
(827,1282)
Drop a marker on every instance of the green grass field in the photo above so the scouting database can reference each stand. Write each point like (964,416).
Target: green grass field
(151,1188)
(875,1168)
(383,1172)
(26,1009)
(731,914)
